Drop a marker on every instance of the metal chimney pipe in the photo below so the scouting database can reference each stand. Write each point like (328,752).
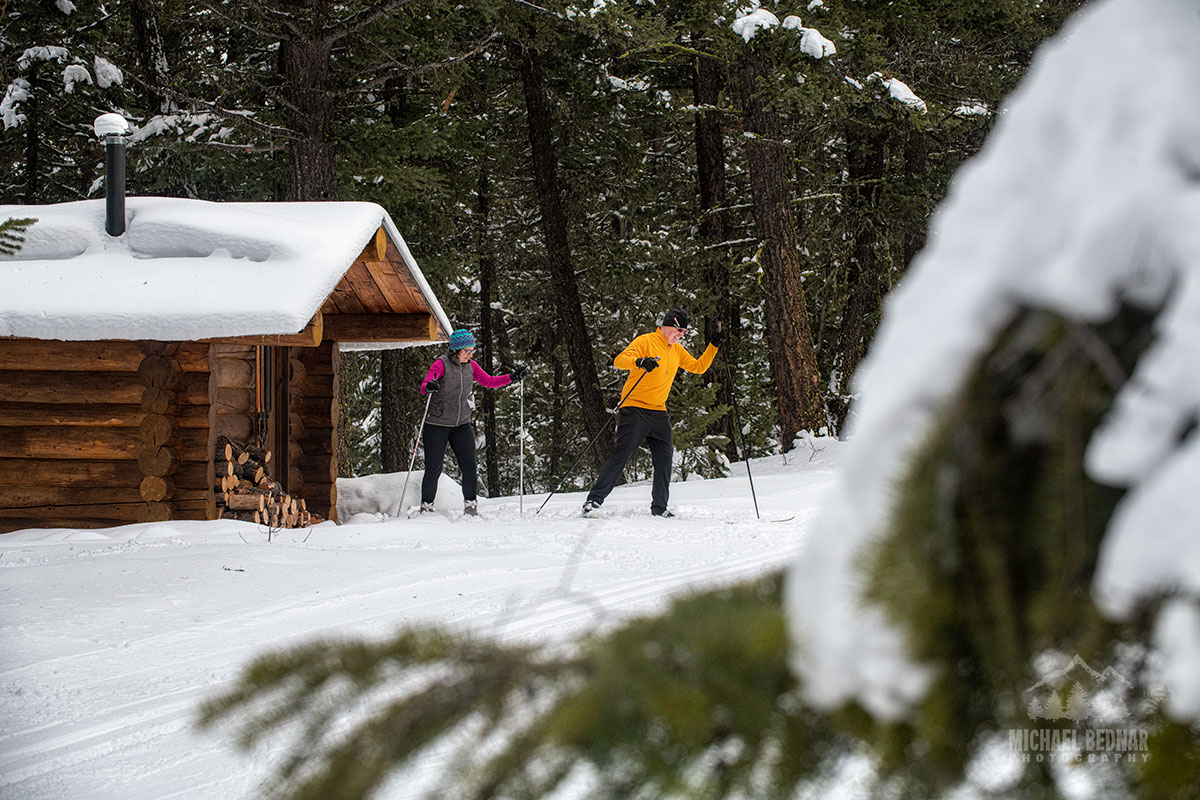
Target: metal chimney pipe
(114,185)
(112,128)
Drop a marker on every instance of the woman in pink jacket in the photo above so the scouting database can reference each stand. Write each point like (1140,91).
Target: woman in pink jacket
(451,380)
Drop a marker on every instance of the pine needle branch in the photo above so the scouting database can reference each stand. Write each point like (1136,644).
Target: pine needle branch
(693,702)
(12,235)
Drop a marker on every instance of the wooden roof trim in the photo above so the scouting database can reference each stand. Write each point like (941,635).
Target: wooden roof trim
(310,336)
(376,249)
(381,243)
(382,327)
(403,270)
(400,297)
(422,290)
(378,282)
(369,293)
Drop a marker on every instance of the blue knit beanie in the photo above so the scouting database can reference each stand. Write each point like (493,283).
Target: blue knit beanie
(462,338)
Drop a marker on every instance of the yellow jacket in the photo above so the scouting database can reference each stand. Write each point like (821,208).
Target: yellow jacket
(652,392)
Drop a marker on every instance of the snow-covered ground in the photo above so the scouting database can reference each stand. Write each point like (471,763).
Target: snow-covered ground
(110,639)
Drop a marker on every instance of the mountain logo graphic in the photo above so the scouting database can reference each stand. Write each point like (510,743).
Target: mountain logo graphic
(1070,693)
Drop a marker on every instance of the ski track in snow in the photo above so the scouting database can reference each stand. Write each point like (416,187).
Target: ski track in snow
(99,698)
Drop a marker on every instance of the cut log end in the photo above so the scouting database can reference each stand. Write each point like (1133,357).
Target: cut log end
(155,488)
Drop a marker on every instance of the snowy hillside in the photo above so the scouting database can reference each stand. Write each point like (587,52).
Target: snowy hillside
(110,639)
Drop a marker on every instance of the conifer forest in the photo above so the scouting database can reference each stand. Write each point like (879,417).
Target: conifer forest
(562,171)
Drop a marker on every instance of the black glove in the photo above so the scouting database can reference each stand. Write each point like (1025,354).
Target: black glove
(518,373)
(647,363)
(432,386)
(718,338)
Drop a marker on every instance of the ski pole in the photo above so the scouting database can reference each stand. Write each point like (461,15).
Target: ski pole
(413,460)
(738,424)
(521,436)
(603,428)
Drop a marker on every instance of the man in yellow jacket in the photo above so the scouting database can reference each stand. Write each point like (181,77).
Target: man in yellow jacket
(652,360)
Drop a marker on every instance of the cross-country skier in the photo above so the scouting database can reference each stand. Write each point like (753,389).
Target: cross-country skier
(451,380)
(652,360)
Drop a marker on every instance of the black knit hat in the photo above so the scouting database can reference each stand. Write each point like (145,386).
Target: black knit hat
(676,318)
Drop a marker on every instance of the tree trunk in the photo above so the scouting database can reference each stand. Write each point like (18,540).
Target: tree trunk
(916,162)
(708,80)
(789,338)
(308,104)
(151,50)
(33,142)
(556,425)
(487,281)
(572,326)
(308,100)
(865,164)
(395,428)
(401,404)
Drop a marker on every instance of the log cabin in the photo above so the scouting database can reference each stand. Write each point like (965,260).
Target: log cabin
(128,359)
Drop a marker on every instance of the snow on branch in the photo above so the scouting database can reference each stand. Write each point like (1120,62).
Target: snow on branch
(812,42)
(42,53)
(74,74)
(1082,202)
(16,93)
(747,25)
(899,90)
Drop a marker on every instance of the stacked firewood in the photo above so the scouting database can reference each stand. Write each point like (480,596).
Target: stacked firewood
(246,491)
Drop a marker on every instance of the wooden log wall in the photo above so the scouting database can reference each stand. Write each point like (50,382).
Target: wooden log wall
(94,434)
(232,410)
(312,428)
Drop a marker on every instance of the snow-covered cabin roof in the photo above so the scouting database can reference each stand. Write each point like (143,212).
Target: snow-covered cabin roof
(190,269)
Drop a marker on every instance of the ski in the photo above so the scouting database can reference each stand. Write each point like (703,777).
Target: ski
(453,516)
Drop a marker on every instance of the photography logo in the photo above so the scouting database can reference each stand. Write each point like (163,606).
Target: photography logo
(1079,714)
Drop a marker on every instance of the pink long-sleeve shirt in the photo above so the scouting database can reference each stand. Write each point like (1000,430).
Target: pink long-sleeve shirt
(437,370)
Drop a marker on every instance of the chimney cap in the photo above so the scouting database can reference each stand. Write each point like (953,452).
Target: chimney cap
(110,125)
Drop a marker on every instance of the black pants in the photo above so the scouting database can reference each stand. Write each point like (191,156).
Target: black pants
(635,425)
(462,442)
